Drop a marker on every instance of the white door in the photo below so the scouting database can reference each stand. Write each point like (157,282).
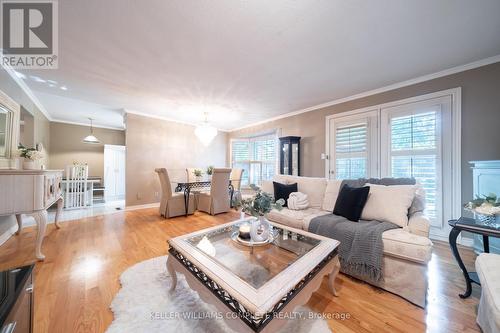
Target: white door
(416,142)
(353,146)
(114,172)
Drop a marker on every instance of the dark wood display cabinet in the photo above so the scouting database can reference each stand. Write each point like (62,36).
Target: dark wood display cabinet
(290,155)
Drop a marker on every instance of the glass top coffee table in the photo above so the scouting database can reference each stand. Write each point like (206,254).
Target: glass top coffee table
(256,284)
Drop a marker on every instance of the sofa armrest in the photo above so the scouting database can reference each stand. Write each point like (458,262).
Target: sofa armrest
(419,224)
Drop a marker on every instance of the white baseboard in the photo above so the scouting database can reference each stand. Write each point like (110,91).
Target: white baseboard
(7,234)
(136,207)
(467,242)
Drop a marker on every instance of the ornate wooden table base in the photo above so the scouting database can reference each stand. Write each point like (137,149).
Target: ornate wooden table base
(41,220)
(303,293)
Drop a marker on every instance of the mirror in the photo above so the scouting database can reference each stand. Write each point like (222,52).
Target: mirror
(4,118)
(26,128)
(9,134)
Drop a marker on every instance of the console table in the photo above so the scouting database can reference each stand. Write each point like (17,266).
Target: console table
(31,192)
(473,226)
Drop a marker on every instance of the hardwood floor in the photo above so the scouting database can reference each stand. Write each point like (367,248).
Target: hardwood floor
(84,259)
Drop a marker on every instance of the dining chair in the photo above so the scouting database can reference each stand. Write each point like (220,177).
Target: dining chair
(235,177)
(78,192)
(218,199)
(172,203)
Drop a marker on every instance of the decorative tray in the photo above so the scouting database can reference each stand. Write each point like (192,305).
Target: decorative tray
(236,238)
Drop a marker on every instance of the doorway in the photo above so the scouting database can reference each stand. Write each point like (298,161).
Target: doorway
(114,172)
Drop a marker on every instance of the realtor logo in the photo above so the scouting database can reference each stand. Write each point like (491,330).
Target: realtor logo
(29,34)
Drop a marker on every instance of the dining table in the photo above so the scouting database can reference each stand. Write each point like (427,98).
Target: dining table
(198,185)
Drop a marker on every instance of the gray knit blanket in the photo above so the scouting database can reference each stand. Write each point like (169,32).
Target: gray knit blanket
(361,248)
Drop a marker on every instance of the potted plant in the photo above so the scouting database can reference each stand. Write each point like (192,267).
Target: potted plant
(486,208)
(210,170)
(198,173)
(258,206)
(30,156)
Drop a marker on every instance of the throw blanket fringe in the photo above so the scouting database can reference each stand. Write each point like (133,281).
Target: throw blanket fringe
(297,201)
(361,247)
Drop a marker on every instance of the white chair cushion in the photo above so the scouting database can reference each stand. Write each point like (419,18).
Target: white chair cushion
(402,244)
(389,203)
(488,270)
(331,193)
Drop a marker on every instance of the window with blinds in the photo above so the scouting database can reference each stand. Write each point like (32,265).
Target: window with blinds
(256,156)
(351,151)
(414,153)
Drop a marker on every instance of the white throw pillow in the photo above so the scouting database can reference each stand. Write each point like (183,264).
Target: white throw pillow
(389,203)
(331,194)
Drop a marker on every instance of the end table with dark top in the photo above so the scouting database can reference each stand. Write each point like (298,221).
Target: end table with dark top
(475,227)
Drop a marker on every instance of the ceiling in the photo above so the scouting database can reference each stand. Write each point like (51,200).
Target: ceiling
(247,61)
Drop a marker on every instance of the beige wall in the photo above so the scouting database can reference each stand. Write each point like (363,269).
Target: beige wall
(67,146)
(480,120)
(153,143)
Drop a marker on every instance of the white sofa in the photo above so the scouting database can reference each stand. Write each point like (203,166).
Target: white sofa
(407,251)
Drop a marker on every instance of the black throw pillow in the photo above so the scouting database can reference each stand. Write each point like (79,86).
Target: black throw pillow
(282,191)
(351,201)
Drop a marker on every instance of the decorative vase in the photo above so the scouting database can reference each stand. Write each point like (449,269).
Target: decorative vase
(29,164)
(260,229)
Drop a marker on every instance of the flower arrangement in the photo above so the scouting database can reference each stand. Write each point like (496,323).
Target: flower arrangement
(260,204)
(210,170)
(198,172)
(29,153)
(488,205)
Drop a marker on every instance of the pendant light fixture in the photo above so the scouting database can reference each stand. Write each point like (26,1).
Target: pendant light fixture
(91,139)
(204,132)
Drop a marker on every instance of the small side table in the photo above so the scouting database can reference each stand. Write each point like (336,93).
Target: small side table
(473,226)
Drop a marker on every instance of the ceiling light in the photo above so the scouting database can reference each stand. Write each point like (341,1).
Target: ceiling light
(64,88)
(91,138)
(205,132)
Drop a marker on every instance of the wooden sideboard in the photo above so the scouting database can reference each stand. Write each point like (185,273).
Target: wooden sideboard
(31,192)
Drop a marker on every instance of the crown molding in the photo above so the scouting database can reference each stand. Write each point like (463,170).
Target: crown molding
(147,115)
(20,82)
(420,79)
(60,121)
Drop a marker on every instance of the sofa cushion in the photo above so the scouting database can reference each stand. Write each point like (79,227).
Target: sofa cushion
(402,244)
(331,193)
(351,201)
(389,203)
(267,186)
(283,191)
(488,270)
(295,218)
(418,204)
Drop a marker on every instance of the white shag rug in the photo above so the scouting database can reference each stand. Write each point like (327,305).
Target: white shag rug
(144,304)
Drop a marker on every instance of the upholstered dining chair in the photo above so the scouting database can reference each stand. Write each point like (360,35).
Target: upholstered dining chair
(235,177)
(172,204)
(217,200)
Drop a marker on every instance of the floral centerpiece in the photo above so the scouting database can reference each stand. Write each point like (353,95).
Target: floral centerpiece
(30,155)
(197,173)
(210,170)
(258,206)
(486,208)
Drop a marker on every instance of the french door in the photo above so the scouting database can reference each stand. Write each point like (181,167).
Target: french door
(410,138)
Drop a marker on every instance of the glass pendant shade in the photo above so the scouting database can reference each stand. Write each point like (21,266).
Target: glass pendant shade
(91,139)
(205,133)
